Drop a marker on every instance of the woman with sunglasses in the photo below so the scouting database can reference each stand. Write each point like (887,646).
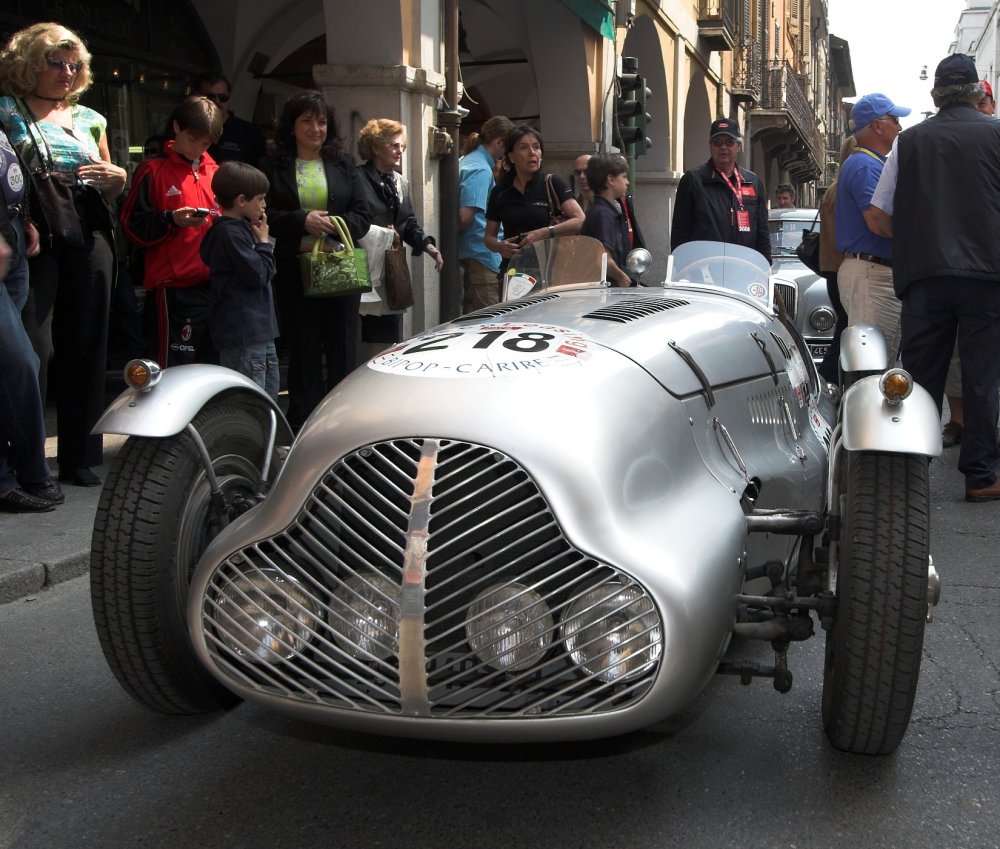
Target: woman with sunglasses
(44,69)
(381,143)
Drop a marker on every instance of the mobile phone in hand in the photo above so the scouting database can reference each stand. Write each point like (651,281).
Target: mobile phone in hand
(200,212)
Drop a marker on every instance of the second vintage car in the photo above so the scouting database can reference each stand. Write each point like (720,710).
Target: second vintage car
(803,291)
(544,520)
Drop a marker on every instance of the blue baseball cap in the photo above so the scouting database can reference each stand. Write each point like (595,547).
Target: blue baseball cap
(873,106)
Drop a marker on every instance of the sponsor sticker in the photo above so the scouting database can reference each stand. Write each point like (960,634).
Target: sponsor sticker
(486,351)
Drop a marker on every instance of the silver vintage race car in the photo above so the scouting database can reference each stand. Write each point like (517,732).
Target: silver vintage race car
(545,520)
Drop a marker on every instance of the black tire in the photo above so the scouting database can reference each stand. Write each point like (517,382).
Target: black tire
(874,648)
(150,529)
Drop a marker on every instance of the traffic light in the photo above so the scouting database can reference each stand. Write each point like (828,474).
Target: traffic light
(632,119)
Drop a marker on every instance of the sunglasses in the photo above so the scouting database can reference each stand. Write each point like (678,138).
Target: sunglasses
(59,64)
(221,98)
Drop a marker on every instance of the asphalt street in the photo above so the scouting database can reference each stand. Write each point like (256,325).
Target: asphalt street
(82,765)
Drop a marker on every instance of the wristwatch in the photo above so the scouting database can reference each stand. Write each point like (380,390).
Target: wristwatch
(552,232)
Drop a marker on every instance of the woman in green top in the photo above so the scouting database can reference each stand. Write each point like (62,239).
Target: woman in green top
(310,181)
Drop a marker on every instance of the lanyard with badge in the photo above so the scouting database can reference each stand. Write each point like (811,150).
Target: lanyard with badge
(742,216)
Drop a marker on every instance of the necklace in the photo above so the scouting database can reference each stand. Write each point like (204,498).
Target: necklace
(50,99)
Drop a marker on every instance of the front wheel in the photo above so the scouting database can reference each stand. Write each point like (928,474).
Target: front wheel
(154,520)
(874,647)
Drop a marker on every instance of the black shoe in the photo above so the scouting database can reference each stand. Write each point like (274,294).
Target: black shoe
(19,501)
(79,477)
(48,490)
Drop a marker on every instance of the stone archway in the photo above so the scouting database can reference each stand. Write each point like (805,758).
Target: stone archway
(698,119)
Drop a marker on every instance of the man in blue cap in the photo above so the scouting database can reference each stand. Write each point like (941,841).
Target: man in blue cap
(945,216)
(865,276)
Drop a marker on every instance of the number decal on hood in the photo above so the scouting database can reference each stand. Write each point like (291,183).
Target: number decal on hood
(486,350)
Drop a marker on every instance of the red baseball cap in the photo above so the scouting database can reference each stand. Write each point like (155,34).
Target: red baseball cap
(987,88)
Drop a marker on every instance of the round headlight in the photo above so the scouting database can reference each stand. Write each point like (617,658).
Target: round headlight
(613,632)
(266,616)
(365,619)
(509,627)
(822,318)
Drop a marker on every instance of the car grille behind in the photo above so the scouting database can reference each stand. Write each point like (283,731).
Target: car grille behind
(790,295)
(421,527)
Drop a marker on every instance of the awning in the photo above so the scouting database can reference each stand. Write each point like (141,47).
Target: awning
(597,14)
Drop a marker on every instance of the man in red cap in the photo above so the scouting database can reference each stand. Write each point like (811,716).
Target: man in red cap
(719,201)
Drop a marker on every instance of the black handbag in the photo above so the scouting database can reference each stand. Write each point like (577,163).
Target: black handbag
(62,208)
(808,249)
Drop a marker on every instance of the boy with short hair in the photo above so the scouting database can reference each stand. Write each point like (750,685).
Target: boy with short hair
(607,176)
(166,213)
(240,259)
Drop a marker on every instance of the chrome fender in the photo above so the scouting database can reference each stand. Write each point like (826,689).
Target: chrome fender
(169,406)
(862,348)
(870,423)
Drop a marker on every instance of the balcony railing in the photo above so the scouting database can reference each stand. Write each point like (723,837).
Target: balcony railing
(783,93)
(717,23)
(747,71)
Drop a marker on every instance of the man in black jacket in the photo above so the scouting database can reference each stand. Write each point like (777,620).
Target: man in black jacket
(720,201)
(945,215)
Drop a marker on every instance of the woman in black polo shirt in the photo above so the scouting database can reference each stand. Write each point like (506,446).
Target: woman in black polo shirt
(520,202)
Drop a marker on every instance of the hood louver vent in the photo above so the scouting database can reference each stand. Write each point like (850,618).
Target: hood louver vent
(632,309)
(502,309)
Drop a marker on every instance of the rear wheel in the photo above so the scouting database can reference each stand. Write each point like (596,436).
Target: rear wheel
(873,650)
(153,522)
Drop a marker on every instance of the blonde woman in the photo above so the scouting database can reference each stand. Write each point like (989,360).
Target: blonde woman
(44,69)
(381,144)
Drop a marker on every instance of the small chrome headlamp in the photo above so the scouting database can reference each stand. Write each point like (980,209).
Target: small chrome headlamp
(141,374)
(896,385)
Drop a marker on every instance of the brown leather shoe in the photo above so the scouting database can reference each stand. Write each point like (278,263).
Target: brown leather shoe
(951,434)
(989,493)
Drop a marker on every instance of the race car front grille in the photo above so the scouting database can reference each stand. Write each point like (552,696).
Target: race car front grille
(429,578)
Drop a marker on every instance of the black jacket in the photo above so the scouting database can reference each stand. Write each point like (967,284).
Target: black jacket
(240,269)
(345,197)
(946,209)
(705,209)
(381,207)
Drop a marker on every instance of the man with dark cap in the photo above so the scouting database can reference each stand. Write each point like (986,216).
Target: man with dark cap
(865,276)
(720,201)
(945,217)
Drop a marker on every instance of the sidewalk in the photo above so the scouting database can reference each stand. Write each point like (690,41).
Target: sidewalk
(38,550)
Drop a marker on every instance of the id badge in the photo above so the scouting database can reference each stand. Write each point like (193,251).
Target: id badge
(743,220)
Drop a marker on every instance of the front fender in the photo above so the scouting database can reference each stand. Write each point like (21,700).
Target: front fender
(863,348)
(870,423)
(168,407)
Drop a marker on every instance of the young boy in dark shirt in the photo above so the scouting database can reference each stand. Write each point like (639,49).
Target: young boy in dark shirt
(607,176)
(240,261)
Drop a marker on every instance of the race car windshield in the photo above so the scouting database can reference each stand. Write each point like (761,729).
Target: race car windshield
(721,265)
(556,264)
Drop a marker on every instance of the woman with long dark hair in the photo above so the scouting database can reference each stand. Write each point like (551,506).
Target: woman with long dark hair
(525,200)
(311,179)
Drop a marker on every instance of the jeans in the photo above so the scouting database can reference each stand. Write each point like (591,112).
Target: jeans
(22,422)
(259,362)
